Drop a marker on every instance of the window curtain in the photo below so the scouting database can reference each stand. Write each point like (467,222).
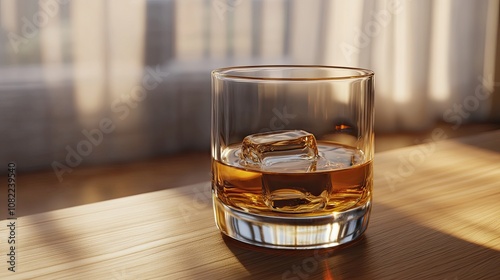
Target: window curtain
(65,65)
(428,56)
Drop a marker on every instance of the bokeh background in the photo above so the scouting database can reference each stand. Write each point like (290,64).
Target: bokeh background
(135,75)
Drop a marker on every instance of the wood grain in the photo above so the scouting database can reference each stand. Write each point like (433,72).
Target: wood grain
(89,184)
(435,216)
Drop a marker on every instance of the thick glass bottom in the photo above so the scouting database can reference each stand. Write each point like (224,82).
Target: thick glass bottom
(292,232)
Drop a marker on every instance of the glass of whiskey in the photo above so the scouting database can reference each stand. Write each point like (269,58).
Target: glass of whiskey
(292,154)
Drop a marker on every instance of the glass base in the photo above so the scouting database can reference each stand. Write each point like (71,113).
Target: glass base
(292,232)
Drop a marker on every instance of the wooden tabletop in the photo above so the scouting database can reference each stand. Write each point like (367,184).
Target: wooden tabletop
(436,215)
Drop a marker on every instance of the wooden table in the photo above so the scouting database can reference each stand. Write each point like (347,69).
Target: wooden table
(436,215)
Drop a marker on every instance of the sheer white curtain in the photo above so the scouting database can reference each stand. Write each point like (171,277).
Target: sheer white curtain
(65,65)
(427,55)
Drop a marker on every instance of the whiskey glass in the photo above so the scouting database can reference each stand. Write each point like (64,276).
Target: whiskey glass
(292,154)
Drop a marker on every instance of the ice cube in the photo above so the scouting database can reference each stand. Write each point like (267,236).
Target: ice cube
(273,150)
(296,192)
(289,160)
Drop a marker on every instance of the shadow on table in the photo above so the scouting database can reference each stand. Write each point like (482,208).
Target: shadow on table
(485,141)
(395,248)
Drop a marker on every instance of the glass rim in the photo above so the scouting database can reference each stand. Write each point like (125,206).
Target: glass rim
(222,73)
